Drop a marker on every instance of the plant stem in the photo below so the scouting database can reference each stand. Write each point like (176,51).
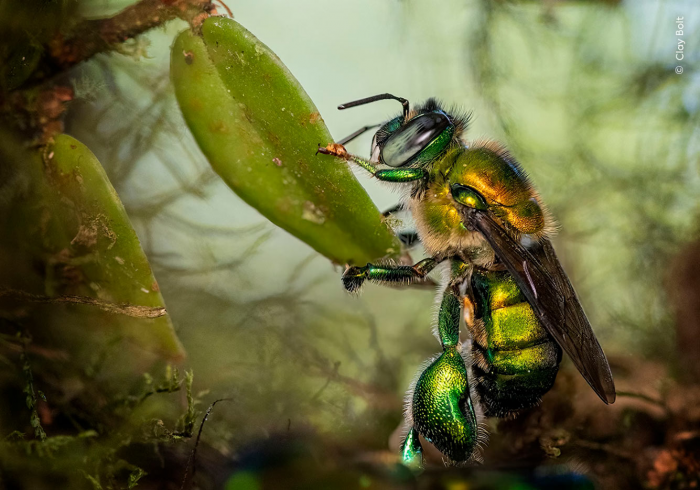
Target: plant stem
(91,37)
(127,309)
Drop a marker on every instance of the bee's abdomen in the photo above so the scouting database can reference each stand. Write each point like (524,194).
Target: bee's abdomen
(515,360)
(506,387)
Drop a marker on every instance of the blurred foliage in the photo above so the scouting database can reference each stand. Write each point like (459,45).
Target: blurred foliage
(25,29)
(583,93)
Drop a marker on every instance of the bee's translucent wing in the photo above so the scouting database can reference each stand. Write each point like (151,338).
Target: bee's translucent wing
(544,283)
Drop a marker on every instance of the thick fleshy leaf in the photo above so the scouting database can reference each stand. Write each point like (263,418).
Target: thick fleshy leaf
(260,131)
(73,270)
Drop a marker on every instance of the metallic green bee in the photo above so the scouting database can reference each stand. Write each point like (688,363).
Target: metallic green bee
(475,209)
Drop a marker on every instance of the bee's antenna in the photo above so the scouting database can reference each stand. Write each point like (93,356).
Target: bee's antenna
(375,98)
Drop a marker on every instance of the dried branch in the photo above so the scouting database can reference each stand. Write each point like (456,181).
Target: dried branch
(41,116)
(127,309)
(92,37)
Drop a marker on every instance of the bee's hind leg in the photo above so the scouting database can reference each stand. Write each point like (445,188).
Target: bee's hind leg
(411,450)
(440,407)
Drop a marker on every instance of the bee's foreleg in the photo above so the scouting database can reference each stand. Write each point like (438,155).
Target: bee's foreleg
(400,174)
(354,277)
(387,175)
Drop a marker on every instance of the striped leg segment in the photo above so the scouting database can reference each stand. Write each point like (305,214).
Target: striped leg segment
(354,277)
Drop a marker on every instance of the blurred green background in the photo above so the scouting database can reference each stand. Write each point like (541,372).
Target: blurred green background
(585,96)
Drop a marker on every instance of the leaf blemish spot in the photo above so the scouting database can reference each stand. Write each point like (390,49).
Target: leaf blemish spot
(315,117)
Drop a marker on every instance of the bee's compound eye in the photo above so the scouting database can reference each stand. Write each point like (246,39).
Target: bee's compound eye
(469,197)
(410,139)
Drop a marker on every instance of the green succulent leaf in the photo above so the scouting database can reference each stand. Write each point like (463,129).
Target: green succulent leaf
(71,257)
(260,132)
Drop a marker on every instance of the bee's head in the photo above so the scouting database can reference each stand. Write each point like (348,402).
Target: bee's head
(417,137)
